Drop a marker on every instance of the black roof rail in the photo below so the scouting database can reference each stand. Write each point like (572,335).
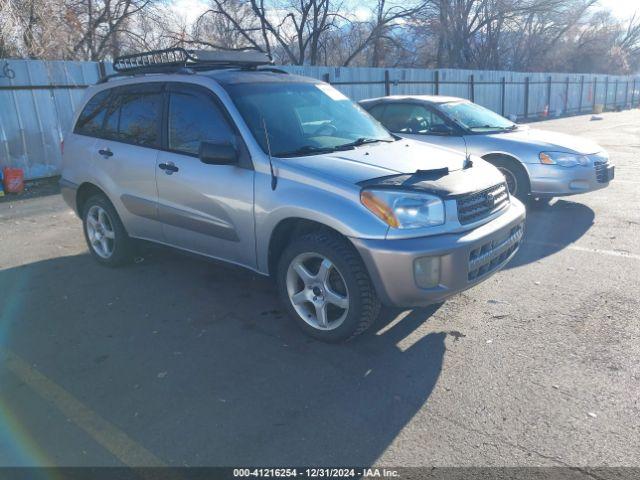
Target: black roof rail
(187,61)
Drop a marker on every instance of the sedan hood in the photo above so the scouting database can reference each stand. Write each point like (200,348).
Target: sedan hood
(378,160)
(548,141)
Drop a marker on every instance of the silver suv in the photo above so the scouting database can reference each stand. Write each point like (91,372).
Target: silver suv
(282,174)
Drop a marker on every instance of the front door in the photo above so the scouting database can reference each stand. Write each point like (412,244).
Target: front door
(204,208)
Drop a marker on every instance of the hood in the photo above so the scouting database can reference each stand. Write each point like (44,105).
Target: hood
(378,160)
(547,141)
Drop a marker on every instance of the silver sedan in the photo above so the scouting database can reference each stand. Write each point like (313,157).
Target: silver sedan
(535,163)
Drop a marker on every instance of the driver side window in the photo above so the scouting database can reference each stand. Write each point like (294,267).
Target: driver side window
(412,119)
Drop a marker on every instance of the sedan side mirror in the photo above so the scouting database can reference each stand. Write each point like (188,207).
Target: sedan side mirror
(218,153)
(441,129)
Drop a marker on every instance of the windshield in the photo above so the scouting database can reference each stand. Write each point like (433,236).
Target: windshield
(476,118)
(304,118)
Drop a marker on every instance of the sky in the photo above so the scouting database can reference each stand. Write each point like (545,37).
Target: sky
(192,9)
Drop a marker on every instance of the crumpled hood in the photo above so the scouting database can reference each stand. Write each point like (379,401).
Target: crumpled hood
(378,160)
(547,141)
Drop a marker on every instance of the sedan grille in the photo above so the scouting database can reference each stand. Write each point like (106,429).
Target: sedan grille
(476,206)
(492,255)
(601,172)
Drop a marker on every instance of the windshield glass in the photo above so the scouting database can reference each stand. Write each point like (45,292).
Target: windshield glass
(476,118)
(304,118)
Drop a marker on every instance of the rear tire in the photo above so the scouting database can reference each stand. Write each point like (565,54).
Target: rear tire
(106,237)
(321,271)
(515,176)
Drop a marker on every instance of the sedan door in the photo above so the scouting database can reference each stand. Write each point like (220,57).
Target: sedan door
(417,122)
(204,208)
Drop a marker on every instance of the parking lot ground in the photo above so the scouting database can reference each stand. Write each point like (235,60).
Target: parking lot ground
(179,361)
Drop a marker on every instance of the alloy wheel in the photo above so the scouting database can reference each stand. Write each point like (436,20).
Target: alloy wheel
(100,231)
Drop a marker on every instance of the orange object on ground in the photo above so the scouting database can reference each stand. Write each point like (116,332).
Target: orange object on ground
(13,180)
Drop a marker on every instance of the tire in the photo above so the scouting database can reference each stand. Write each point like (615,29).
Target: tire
(515,176)
(104,233)
(343,281)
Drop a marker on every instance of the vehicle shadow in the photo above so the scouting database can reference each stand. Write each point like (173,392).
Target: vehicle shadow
(199,365)
(551,228)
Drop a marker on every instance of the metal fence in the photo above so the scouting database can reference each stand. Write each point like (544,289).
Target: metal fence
(38,98)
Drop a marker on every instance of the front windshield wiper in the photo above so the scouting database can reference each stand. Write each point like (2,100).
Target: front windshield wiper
(312,149)
(362,141)
(305,150)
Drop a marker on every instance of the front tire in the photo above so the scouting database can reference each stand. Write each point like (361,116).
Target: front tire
(515,176)
(324,286)
(106,237)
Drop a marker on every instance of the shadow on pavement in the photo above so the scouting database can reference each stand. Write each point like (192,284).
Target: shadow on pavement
(551,228)
(198,364)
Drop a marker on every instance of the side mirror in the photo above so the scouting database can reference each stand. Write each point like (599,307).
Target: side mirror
(218,153)
(441,129)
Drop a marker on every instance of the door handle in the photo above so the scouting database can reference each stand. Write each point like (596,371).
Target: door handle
(105,152)
(168,167)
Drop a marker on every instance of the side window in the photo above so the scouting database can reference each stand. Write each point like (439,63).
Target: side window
(140,114)
(377,112)
(90,120)
(195,118)
(413,119)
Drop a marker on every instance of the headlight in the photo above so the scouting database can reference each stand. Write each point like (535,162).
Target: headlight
(404,210)
(563,159)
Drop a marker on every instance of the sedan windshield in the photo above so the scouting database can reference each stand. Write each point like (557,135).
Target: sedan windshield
(476,118)
(304,118)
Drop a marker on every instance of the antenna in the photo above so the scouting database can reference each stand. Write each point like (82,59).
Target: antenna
(274,180)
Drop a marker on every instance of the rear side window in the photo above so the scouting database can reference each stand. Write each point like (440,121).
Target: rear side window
(90,120)
(140,114)
(376,112)
(195,118)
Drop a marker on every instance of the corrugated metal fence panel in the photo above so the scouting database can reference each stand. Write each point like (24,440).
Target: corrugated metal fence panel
(33,120)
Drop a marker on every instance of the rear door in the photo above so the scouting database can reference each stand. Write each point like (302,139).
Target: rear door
(204,208)
(416,121)
(126,152)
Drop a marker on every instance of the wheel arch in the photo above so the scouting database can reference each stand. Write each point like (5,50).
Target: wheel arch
(85,191)
(513,160)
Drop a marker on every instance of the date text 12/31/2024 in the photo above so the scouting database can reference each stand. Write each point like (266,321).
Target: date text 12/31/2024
(315,473)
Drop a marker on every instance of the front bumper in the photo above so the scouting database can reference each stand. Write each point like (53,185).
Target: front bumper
(557,181)
(466,259)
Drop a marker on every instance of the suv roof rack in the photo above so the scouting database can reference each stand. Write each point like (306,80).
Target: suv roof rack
(182,60)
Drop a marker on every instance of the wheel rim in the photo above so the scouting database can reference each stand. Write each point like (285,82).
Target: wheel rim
(317,291)
(100,231)
(512,181)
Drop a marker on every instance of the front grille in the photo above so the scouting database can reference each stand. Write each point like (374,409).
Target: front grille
(490,256)
(479,205)
(601,172)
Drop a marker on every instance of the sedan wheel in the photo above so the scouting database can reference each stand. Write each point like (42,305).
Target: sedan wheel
(512,181)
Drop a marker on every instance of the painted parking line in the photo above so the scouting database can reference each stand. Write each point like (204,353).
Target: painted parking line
(612,253)
(118,443)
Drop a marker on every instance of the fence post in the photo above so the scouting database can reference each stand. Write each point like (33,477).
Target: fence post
(436,80)
(102,71)
(387,84)
(325,77)
(526,97)
(503,93)
(633,91)
(595,90)
(606,93)
(472,88)
(626,93)
(566,96)
(548,95)
(581,93)
(615,94)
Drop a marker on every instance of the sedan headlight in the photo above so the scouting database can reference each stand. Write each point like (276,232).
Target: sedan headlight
(404,210)
(563,159)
